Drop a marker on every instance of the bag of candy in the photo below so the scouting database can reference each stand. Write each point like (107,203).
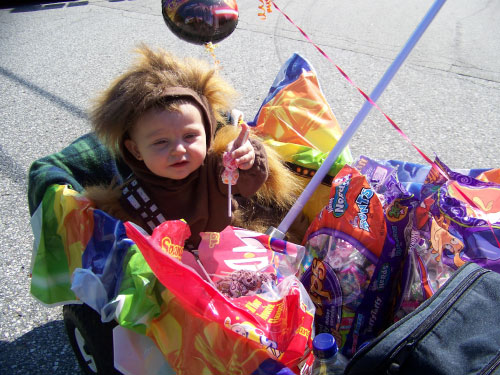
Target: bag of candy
(205,326)
(456,221)
(355,253)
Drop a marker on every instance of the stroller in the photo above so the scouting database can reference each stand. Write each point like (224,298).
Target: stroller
(81,254)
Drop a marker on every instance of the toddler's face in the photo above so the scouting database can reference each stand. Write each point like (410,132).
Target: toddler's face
(171,144)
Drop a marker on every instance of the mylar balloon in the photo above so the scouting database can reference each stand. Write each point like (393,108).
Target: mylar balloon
(201,21)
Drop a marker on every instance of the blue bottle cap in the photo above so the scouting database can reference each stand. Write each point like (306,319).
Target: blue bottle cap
(324,346)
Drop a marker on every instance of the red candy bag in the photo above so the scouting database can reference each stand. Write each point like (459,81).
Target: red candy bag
(200,330)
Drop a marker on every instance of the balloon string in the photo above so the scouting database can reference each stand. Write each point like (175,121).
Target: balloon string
(210,48)
(264,7)
(475,207)
(268,6)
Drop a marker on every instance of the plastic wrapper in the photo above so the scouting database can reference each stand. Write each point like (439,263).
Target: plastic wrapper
(456,221)
(452,220)
(296,120)
(240,249)
(137,354)
(199,330)
(354,262)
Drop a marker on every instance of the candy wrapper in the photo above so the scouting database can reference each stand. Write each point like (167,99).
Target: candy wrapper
(355,252)
(456,221)
(453,219)
(201,330)
(171,235)
(296,120)
(236,249)
(465,215)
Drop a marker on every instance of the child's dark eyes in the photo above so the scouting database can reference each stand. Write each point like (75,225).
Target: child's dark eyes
(160,142)
(190,137)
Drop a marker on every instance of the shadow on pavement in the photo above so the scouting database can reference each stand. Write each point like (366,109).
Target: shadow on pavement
(44,350)
(70,107)
(21,6)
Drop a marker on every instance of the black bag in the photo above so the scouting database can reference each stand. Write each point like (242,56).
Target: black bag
(455,332)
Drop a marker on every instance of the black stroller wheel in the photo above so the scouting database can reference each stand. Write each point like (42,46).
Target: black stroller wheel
(91,340)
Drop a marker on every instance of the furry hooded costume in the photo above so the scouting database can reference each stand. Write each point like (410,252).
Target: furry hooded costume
(263,194)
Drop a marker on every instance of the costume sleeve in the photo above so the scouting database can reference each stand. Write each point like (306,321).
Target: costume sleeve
(252,179)
(84,162)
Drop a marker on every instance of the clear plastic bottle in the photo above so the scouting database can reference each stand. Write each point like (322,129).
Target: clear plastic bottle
(327,358)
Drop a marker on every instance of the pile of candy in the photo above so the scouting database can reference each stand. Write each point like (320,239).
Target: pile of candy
(244,283)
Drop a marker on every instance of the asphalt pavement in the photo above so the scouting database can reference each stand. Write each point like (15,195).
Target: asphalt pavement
(55,57)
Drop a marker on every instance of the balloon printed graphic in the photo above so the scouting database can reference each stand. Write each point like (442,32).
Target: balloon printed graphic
(201,21)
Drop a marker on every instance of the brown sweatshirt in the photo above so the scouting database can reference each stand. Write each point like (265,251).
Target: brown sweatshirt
(201,198)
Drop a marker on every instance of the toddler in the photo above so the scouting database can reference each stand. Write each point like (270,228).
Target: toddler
(160,117)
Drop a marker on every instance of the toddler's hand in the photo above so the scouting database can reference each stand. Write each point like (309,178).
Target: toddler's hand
(241,150)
